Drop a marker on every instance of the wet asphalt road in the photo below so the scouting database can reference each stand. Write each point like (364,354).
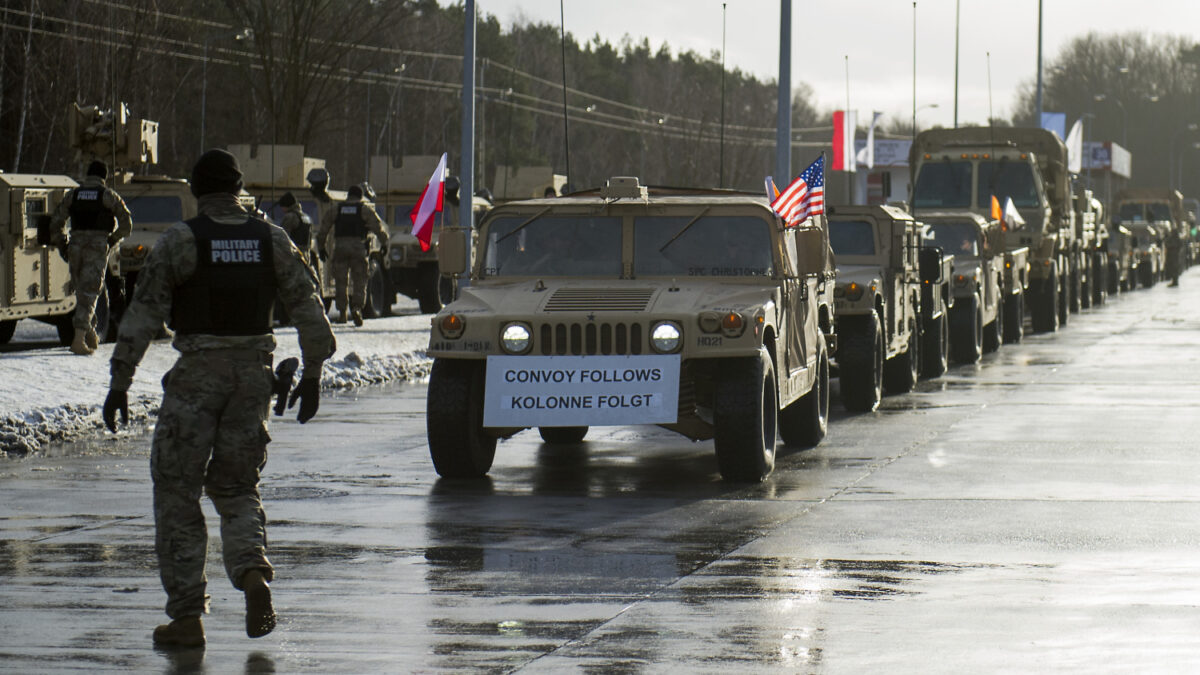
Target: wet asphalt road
(1038,512)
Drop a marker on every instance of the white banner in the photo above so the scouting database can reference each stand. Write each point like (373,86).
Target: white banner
(531,391)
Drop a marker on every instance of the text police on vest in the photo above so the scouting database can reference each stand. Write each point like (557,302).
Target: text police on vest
(236,251)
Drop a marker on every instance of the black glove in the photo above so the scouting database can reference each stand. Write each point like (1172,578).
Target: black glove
(322,254)
(62,251)
(285,372)
(308,392)
(116,400)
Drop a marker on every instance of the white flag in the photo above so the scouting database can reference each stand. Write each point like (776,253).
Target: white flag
(1075,147)
(1012,217)
(867,154)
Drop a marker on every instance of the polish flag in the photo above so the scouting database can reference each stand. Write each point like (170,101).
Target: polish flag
(423,211)
(843,140)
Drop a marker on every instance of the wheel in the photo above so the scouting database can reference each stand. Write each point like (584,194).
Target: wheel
(860,363)
(1114,279)
(1146,275)
(377,302)
(804,423)
(1014,318)
(901,371)
(1075,293)
(935,355)
(429,295)
(745,418)
(993,333)
(7,328)
(1099,282)
(562,435)
(458,443)
(1045,306)
(1064,300)
(966,321)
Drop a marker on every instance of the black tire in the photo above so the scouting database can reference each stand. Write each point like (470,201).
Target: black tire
(804,423)
(935,349)
(1114,279)
(1099,282)
(860,363)
(429,295)
(458,443)
(745,418)
(900,372)
(7,328)
(1014,318)
(1146,275)
(966,328)
(1045,312)
(563,435)
(1075,292)
(993,333)
(1064,299)
(377,302)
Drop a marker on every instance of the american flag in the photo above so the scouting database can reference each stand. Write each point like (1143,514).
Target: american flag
(805,197)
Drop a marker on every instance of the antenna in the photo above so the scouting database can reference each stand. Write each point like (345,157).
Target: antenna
(914,64)
(562,26)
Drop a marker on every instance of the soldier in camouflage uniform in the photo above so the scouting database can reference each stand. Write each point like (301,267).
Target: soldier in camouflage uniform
(350,222)
(99,221)
(299,227)
(216,277)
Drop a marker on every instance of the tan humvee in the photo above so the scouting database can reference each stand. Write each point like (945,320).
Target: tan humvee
(878,298)
(1156,221)
(35,282)
(692,310)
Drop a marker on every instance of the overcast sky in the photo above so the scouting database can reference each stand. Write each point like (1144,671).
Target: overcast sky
(876,35)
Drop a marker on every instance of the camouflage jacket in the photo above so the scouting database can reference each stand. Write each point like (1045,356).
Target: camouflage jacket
(294,223)
(172,262)
(329,216)
(112,201)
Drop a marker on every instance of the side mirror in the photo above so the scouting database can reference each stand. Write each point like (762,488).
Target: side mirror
(452,251)
(897,256)
(810,251)
(931,264)
(43,229)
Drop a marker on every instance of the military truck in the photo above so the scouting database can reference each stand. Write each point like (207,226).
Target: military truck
(877,300)
(1157,222)
(35,282)
(965,168)
(982,308)
(1118,251)
(694,310)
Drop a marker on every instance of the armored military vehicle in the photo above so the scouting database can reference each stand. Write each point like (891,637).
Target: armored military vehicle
(1157,223)
(878,301)
(966,168)
(694,310)
(35,282)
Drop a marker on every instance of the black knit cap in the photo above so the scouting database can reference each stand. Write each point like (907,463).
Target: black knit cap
(216,171)
(354,191)
(287,200)
(98,169)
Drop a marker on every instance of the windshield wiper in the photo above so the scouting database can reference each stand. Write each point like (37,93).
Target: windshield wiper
(520,227)
(684,229)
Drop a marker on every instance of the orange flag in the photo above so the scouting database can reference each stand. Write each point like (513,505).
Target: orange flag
(997,214)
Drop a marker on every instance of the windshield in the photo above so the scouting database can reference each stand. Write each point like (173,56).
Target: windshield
(1007,179)
(710,246)
(1132,213)
(155,209)
(955,238)
(851,237)
(943,184)
(555,246)
(1159,212)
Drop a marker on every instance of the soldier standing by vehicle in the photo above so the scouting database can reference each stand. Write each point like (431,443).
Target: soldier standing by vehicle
(1174,246)
(350,221)
(298,226)
(99,221)
(216,277)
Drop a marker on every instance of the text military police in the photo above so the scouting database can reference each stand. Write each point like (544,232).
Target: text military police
(350,221)
(99,221)
(215,279)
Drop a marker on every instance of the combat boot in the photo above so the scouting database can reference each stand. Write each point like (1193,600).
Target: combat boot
(79,344)
(260,615)
(185,632)
(341,316)
(92,340)
(357,316)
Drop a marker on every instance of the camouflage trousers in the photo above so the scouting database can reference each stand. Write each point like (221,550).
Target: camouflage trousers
(350,260)
(211,436)
(87,258)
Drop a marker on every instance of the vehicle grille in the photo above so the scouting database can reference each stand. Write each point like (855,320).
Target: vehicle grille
(599,300)
(590,338)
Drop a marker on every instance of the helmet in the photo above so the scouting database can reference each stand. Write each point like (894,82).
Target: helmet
(367,191)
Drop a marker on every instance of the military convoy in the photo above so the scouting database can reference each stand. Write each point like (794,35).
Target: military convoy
(1158,231)
(694,310)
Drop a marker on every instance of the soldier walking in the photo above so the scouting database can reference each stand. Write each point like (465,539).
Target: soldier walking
(298,226)
(99,221)
(351,221)
(215,277)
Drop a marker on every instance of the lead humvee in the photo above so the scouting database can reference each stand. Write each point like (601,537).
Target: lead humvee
(878,299)
(694,310)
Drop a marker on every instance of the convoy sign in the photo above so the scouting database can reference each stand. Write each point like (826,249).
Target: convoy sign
(528,391)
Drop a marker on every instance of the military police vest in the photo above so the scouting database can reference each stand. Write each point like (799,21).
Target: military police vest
(350,221)
(88,211)
(232,291)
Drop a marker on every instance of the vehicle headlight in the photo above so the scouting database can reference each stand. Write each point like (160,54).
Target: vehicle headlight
(516,338)
(853,291)
(666,337)
(710,322)
(396,253)
(452,326)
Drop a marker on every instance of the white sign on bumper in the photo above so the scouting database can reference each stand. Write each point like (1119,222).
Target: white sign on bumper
(533,391)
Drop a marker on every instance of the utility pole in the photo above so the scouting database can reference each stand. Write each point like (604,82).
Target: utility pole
(783,124)
(957,8)
(1038,121)
(466,172)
